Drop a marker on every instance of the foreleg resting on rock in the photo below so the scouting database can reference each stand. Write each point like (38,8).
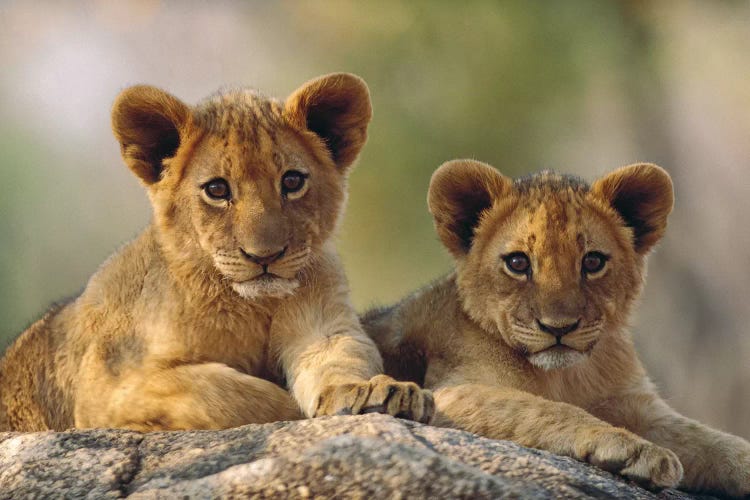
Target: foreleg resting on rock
(714,461)
(190,396)
(505,413)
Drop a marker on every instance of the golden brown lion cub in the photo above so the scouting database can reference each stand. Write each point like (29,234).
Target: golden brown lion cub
(527,339)
(233,292)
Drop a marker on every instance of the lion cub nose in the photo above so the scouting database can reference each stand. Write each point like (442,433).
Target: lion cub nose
(558,331)
(265,259)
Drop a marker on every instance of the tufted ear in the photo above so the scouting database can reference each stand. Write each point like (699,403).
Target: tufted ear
(642,195)
(460,190)
(149,124)
(337,109)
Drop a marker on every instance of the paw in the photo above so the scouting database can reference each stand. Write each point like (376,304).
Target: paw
(380,394)
(619,451)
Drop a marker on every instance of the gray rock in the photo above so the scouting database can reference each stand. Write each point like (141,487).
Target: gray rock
(368,456)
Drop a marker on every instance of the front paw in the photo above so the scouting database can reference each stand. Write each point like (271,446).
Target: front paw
(380,394)
(619,451)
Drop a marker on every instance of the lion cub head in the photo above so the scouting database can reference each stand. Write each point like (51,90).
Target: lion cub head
(548,262)
(245,188)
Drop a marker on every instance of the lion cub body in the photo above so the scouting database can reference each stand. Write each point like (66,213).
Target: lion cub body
(527,339)
(233,294)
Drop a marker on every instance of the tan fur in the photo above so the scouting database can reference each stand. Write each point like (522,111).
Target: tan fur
(476,337)
(188,327)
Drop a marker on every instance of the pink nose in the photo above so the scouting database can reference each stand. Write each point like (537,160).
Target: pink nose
(265,259)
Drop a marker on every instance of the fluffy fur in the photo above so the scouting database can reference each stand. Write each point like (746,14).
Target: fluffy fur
(542,357)
(224,301)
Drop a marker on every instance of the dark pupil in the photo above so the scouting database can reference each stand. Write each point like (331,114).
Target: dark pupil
(592,263)
(292,181)
(518,263)
(217,189)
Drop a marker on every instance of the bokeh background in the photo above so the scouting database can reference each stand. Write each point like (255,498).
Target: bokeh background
(581,86)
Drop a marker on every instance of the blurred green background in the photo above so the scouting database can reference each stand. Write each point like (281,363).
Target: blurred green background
(581,86)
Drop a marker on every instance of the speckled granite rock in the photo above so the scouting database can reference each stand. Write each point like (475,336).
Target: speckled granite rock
(370,456)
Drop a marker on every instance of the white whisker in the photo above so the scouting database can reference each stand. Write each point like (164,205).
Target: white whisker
(522,328)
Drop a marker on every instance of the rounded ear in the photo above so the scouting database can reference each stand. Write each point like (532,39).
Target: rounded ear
(460,190)
(337,109)
(642,195)
(149,125)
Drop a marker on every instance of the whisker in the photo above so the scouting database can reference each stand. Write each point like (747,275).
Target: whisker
(581,341)
(296,258)
(586,331)
(226,254)
(522,328)
(226,259)
(300,251)
(584,338)
(533,340)
(231,264)
(293,263)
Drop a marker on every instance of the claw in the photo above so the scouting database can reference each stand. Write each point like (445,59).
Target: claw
(381,394)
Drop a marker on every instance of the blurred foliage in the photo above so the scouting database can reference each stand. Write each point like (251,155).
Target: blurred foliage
(492,81)
(487,80)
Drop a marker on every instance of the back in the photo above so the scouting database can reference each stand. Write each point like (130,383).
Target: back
(27,380)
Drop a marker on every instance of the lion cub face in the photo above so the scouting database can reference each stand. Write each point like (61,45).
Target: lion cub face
(249,187)
(548,262)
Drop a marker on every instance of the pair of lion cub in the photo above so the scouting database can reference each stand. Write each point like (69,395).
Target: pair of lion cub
(232,306)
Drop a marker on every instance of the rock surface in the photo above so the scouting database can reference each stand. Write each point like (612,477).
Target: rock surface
(369,456)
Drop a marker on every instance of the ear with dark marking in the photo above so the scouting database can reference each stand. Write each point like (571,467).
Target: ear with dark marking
(150,125)
(460,190)
(642,195)
(337,109)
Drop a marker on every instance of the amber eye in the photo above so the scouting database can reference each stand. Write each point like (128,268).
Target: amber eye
(292,181)
(593,262)
(518,263)
(218,189)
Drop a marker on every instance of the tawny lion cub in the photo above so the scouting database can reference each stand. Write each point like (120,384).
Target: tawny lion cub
(527,339)
(233,292)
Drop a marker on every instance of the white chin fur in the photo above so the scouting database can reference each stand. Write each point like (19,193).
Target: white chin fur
(258,288)
(552,359)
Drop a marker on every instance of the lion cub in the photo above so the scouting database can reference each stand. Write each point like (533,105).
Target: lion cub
(232,293)
(527,339)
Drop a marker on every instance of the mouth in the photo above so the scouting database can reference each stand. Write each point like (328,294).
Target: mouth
(265,285)
(264,276)
(254,280)
(559,347)
(556,357)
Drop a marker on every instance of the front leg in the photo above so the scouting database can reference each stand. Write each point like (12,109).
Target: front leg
(186,396)
(504,413)
(340,373)
(714,461)
(332,366)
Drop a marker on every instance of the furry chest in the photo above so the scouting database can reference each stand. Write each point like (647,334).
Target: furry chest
(237,340)
(243,347)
